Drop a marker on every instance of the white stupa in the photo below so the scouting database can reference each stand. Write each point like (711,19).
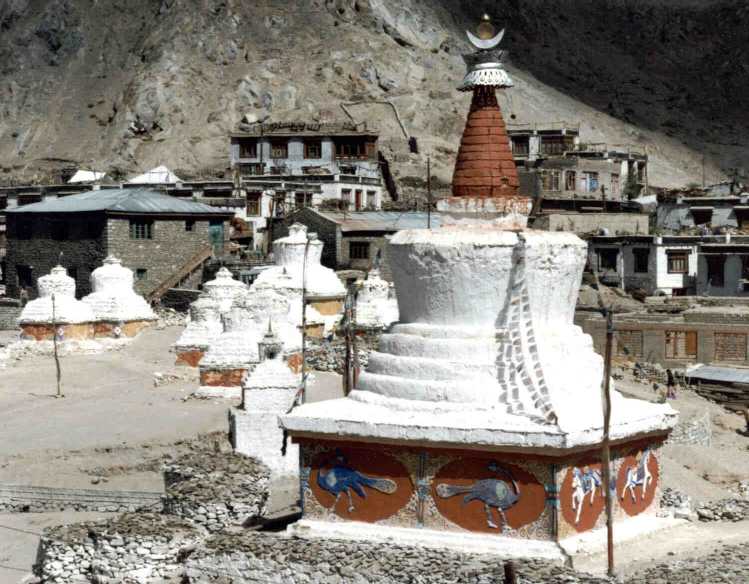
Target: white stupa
(376,305)
(479,420)
(268,392)
(224,289)
(72,318)
(204,327)
(118,309)
(325,291)
(235,351)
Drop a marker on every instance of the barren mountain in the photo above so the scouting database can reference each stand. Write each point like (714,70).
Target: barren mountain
(124,85)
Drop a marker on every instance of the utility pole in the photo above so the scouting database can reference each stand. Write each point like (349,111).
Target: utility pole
(429,191)
(54,346)
(605,444)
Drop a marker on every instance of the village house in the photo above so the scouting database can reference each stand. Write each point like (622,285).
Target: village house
(163,239)
(673,265)
(679,212)
(571,168)
(281,167)
(591,217)
(357,241)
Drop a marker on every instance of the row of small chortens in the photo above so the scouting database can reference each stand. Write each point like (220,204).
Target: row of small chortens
(112,310)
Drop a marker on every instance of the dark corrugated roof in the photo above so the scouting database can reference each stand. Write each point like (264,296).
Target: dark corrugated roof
(714,373)
(381,220)
(121,201)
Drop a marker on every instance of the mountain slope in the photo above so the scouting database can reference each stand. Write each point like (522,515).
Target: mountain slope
(124,85)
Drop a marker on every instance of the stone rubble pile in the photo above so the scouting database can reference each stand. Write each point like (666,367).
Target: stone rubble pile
(132,548)
(169,317)
(331,356)
(216,491)
(724,510)
(729,565)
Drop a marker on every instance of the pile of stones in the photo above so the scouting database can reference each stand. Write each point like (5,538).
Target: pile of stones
(216,490)
(135,547)
(169,317)
(724,510)
(677,504)
(729,565)
(330,355)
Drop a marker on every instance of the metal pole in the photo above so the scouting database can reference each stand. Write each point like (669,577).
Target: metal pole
(54,345)
(429,191)
(303,395)
(605,445)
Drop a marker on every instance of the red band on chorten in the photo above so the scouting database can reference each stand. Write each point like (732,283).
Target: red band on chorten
(485,166)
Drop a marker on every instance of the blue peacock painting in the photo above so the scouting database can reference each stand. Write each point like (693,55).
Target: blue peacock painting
(340,479)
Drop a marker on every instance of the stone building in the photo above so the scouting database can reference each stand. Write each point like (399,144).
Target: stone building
(570,168)
(680,213)
(355,241)
(281,167)
(164,240)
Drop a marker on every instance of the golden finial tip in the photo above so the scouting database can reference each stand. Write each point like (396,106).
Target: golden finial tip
(486,29)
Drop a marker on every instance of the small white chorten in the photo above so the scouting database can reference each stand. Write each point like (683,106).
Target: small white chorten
(325,291)
(68,318)
(268,392)
(224,289)
(118,310)
(204,327)
(376,305)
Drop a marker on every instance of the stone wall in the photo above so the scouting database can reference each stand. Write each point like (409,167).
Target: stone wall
(29,499)
(10,310)
(696,431)
(615,223)
(323,355)
(264,557)
(83,249)
(216,490)
(169,250)
(131,548)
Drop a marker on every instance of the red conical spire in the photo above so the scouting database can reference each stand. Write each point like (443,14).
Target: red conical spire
(485,166)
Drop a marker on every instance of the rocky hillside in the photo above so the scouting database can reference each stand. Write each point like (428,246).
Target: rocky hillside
(124,85)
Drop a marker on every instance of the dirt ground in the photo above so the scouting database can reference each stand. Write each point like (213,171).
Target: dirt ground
(109,432)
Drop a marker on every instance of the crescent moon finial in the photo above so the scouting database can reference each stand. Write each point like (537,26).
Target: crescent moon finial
(485,44)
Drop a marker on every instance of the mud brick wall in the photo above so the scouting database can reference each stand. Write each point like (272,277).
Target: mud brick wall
(169,250)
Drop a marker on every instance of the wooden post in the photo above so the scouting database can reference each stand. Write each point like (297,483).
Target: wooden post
(605,445)
(429,192)
(511,576)
(54,345)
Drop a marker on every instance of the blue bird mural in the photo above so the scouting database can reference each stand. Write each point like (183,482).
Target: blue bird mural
(340,479)
(493,493)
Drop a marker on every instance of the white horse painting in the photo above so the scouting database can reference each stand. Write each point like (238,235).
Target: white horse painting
(584,482)
(638,476)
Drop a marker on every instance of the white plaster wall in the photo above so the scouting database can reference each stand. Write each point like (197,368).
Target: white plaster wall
(666,281)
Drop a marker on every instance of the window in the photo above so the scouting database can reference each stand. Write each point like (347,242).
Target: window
(715,270)
(3,202)
(24,276)
(279,149)
(642,256)
(678,261)
(614,184)
(371,199)
(350,148)
(629,343)
(730,347)
(570,180)
(248,148)
(140,274)
(590,182)
(60,230)
(358,203)
(681,344)
(550,180)
(302,200)
(141,229)
(554,145)
(313,149)
(359,250)
(252,169)
(520,145)
(607,259)
(253,204)
(190,225)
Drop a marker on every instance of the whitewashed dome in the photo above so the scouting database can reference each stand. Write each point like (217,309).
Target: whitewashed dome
(225,289)
(113,298)
(376,304)
(67,310)
(205,324)
(288,254)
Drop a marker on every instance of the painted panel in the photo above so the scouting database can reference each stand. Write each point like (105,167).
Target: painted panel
(637,481)
(581,496)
